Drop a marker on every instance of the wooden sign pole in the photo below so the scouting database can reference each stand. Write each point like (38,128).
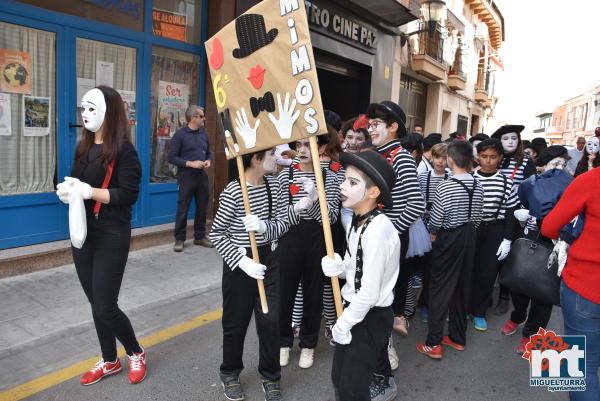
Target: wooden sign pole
(335,284)
(255,256)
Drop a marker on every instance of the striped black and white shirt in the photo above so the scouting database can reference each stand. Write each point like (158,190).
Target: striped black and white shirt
(499,195)
(291,191)
(408,202)
(228,233)
(428,182)
(508,167)
(451,204)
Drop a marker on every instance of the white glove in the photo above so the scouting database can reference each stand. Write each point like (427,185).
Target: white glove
(84,188)
(309,187)
(303,204)
(503,249)
(332,267)
(251,268)
(340,336)
(63,194)
(522,215)
(253,223)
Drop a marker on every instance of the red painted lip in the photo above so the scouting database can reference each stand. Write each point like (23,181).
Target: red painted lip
(257,76)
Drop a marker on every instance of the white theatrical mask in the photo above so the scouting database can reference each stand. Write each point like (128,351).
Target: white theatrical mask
(558,163)
(303,150)
(378,130)
(93,109)
(269,162)
(354,188)
(592,145)
(510,142)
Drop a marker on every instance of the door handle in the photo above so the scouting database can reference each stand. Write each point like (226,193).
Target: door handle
(71,125)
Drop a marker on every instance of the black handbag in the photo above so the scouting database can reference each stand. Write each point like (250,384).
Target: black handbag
(526,271)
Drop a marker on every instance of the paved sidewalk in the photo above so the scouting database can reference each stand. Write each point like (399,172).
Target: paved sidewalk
(46,323)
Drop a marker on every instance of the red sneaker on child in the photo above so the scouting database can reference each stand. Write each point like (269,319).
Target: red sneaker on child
(100,371)
(522,345)
(435,352)
(137,367)
(446,340)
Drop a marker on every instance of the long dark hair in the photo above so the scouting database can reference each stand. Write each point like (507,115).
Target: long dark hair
(114,129)
(582,166)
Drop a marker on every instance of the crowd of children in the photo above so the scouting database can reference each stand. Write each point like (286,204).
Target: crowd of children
(406,212)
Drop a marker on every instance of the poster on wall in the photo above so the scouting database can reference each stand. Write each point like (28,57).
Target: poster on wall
(169,24)
(36,116)
(5,116)
(173,100)
(264,78)
(105,73)
(129,103)
(15,67)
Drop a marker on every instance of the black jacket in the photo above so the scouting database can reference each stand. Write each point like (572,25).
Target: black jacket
(124,185)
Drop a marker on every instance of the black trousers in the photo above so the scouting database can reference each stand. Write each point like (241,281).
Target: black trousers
(100,265)
(300,252)
(240,300)
(424,297)
(407,269)
(450,281)
(487,266)
(354,363)
(191,185)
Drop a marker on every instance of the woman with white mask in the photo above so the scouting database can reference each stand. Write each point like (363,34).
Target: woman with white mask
(590,158)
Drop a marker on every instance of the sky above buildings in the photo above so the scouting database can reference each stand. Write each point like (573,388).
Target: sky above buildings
(550,54)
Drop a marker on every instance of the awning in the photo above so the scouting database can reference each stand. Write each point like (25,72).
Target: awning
(392,12)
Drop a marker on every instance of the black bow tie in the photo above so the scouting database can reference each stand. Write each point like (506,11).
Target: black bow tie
(266,103)
(358,219)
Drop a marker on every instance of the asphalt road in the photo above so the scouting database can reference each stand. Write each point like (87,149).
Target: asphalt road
(186,368)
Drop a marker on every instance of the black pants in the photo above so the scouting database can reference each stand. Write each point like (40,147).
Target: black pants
(240,299)
(424,297)
(191,185)
(450,281)
(407,269)
(354,364)
(485,271)
(300,252)
(100,265)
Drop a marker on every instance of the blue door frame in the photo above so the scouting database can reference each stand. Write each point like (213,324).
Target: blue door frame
(37,218)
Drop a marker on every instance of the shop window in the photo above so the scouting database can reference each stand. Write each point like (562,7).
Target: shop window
(175,85)
(177,19)
(125,13)
(27,110)
(100,63)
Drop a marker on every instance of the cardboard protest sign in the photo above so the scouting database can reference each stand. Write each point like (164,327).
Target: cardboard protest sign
(264,78)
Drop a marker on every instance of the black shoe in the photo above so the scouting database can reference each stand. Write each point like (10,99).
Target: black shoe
(178,246)
(501,307)
(204,242)
(377,388)
(232,387)
(272,390)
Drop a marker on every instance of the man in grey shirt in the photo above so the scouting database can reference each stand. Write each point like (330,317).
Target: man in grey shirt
(575,154)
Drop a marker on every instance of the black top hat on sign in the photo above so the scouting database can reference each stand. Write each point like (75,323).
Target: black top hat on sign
(251,34)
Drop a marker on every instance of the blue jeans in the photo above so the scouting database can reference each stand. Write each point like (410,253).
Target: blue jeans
(582,317)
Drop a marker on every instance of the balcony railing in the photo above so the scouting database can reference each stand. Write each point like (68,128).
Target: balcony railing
(431,46)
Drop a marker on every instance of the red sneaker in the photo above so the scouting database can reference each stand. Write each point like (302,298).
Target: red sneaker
(509,328)
(432,352)
(446,340)
(100,371)
(522,345)
(137,367)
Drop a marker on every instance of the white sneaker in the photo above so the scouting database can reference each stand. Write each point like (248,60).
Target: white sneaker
(392,355)
(307,357)
(284,356)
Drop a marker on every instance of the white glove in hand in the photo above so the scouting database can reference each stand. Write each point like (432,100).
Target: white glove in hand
(84,188)
(332,267)
(522,215)
(253,223)
(503,249)
(340,336)
(251,268)
(63,193)
(303,204)
(309,187)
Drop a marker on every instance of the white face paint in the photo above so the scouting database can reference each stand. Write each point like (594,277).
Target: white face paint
(592,145)
(557,162)
(378,130)
(303,150)
(93,109)
(269,162)
(510,142)
(354,188)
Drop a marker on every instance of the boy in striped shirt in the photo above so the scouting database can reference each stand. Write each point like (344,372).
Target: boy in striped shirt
(229,234)
(455,215)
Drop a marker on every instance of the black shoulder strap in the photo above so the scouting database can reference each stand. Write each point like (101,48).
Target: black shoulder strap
(269,196)
(502,199)
(290,182)
(470,192)
(427,188)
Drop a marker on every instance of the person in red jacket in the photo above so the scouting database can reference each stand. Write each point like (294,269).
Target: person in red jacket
(580,288)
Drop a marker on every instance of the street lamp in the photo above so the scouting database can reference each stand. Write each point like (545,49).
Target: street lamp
(433,11)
